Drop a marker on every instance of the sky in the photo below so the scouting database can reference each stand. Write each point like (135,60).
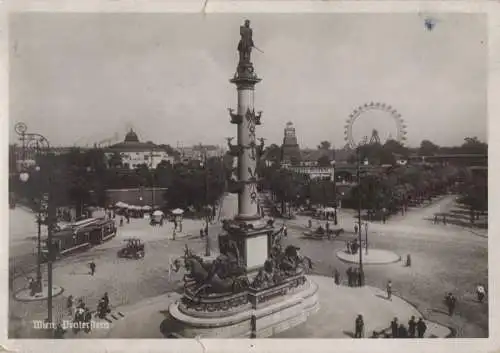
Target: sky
(82,78)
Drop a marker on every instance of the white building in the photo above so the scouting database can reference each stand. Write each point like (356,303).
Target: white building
(134,153)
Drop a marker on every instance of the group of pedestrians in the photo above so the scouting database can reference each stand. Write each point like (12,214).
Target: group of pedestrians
(415,329)
(354,277)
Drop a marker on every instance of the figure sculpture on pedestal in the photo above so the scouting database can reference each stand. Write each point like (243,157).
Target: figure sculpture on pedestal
(246,43)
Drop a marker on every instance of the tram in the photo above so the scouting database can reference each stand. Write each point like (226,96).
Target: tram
(80,236)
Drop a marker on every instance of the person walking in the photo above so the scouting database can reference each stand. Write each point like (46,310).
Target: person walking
(349,276)
(408,260)
(285,231)
(389,290)
(92,268)
(359,327)
(355,277)
(31,286)
(394,327)
(336,276)
(412,327)
(105,299)
(202,233)
(309,224)
(69,305)
(356,228)
(480,293)
(451,302)
(421,328)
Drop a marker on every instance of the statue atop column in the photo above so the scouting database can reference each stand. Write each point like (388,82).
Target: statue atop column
(246,43)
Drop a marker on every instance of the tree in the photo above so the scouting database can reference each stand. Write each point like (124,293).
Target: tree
(427,148)
(472,145)
(324,145)
(324,161)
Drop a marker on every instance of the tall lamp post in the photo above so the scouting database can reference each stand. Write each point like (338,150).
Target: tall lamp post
(39,144)
(358,175)
(207,209)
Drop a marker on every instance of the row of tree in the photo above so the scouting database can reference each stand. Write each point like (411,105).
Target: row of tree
(81,178)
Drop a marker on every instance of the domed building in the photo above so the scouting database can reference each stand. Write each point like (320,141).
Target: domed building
(134,153)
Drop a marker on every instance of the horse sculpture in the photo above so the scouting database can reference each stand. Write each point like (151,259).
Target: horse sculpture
(221,276)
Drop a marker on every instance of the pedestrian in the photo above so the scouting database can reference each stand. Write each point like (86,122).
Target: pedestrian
(105,299)
(435,219)
(92,268)
(285,231)
(402,331)
(349,276)
(412,326)
(408,260)
(336,276)
(444,219)
(355,277)
(394,327)
(389,290)
(59,331)
(451,302)
(355,228)
(327,227)
(480,293)
(421,328)
(69,304)
(121,222)
(127,216)
(309,224)
(31,286)
(180,228)
(359,327)
(359,277)
(81,304)
(202,233)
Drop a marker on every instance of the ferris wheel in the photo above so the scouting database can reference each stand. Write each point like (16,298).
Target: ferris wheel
(359,111)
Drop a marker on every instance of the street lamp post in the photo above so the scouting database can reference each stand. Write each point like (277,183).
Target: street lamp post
(358,174)
(39,143)
(34,142)
(207,209)
(366,237)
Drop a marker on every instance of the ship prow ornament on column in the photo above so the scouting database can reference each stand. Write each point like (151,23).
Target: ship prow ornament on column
(255,288)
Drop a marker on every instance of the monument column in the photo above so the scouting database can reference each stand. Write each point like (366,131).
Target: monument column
(248,233)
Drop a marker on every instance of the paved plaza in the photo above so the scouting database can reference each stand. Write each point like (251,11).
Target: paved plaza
(444,258)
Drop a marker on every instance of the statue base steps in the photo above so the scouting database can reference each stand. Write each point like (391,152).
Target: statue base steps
(273,312)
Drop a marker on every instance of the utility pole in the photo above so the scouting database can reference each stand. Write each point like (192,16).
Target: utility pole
(361,272)
(207,244)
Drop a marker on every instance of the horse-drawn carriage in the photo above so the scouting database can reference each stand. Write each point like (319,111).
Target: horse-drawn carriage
(321,233)
(133,250)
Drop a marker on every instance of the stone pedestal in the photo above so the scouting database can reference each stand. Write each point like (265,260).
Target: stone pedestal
(252,313)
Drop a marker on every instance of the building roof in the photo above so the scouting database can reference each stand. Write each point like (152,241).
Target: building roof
(132,144)
(131,136)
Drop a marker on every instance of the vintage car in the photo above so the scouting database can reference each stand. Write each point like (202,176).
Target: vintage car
(133,250)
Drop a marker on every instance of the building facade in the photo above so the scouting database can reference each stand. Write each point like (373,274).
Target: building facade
(134,153)
(305,161)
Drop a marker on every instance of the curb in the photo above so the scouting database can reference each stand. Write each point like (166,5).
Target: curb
(368,263)
(28,300)
(453,331)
